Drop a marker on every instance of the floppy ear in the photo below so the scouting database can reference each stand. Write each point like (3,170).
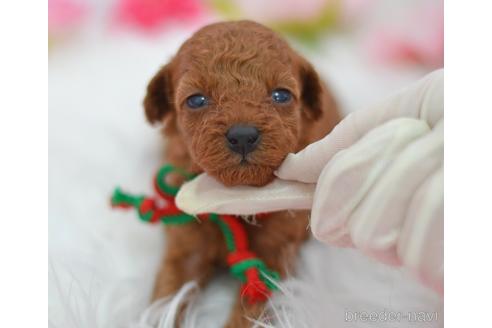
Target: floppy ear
(158,100)
(312,91)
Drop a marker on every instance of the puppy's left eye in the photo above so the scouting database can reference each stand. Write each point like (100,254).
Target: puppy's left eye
(197,101)
(281,96)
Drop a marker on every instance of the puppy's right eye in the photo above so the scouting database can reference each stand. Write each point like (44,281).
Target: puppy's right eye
(197,101)
(281,96)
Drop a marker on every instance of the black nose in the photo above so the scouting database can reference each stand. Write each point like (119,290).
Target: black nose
(242,139)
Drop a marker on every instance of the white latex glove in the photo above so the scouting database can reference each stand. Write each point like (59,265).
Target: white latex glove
(374,183)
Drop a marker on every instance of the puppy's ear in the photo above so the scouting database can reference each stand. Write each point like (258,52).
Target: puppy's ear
(158,100)
(312,91)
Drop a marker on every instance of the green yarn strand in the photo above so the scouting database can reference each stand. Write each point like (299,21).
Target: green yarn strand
(224,228)
(173,217)
(161,178)
(238,270)
(122,198)
(177,219)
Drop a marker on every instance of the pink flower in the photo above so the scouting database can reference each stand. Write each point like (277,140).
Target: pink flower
(417,38)
(64,15)
(152,14)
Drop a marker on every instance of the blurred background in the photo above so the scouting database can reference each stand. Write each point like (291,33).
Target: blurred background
(403,36)
(102,53)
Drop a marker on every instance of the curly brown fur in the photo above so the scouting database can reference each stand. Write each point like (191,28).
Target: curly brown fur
(236,65)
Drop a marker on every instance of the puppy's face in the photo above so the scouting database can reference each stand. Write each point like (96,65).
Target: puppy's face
(240,98)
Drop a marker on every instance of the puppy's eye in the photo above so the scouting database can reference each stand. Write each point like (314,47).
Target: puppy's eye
(281,96)
(197,101)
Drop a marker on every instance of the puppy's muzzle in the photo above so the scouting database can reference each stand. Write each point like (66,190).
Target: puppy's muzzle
(243,139)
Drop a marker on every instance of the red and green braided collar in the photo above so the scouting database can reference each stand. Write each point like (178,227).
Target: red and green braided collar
(243,263)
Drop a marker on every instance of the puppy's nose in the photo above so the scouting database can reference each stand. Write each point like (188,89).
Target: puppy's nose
(242,139)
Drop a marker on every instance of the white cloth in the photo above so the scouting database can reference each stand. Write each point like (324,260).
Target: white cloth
(374,183)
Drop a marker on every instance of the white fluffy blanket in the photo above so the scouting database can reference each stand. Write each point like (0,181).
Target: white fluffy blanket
(102,262)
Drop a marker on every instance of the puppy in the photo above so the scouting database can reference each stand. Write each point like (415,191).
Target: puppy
(234,101)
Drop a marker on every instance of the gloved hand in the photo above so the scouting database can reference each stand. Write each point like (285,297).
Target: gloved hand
(374,183)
